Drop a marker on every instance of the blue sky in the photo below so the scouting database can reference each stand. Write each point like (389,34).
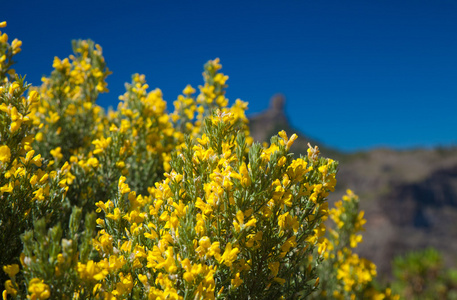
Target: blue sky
(356,74)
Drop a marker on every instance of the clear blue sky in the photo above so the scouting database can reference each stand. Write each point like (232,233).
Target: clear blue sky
(356,74)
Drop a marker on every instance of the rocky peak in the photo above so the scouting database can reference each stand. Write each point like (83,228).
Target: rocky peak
(264,124)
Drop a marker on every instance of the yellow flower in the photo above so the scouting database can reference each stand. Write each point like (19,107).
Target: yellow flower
(11,270)
(39,289)
(92,270)
(37,160)
(244,175)
(116,216)
(56,153)
(313,153)
(104,206)
(93,162)
(355,239)
(13,87)
(285,140)
(9,289)
(3,38)
(123,187)
(5,154)
(16,44)
(229,255)
(39,136)
(254,240)
(16,119)
(8,188)
(274,268)
(188,276)
(15,125)
(101,144)
(143,279)
(33,97)
(237,281)
(240,218)
(169,263)
(53,117)
(188,90)
(290,243)
(205,242)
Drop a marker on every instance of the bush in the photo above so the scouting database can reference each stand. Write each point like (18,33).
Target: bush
(422,275)
(141,203)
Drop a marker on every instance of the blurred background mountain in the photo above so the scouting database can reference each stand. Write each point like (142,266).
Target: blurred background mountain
(409,196)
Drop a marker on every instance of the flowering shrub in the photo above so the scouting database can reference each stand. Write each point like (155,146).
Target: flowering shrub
(141,203)
(343,274)
(423,275)
(29,189)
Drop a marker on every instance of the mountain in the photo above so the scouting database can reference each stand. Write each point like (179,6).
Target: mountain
(409,196)
(269,122)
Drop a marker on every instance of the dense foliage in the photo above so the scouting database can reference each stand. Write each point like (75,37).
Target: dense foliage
(145,203)
(424,275)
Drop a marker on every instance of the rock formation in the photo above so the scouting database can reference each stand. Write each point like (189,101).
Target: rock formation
(264,124)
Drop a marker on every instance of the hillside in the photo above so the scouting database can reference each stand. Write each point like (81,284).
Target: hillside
(409,196)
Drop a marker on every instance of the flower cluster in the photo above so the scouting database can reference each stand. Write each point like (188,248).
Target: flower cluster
(345,275)
(68,117)
(7,52)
